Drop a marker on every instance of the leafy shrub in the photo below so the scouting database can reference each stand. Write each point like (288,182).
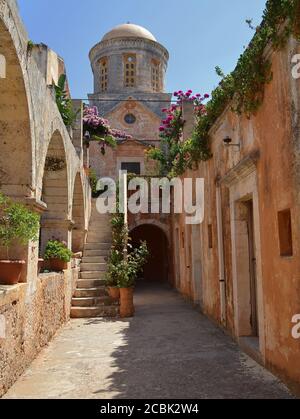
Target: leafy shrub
(123,271)
(64,103)
(57,250)
(17,223)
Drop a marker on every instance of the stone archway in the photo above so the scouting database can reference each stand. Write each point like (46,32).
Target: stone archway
(78,212)
(16,170)
(55,223)
(158,267)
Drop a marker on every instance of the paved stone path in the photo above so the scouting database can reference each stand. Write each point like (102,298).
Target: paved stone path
(167,351)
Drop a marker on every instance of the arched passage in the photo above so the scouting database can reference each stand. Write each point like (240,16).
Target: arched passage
(15,134)
(78,234)
(157,267)
(54,221)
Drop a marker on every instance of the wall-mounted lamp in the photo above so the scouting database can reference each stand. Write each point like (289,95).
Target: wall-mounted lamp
(228,142)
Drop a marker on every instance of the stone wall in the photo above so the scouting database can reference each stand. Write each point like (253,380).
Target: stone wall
(32,316)
(264,173)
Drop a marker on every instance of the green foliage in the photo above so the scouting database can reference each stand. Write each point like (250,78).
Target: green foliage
(123,272)
(17,223)
(106,141)
(123,269)
(93,182)
(64,103)
(30,46)
(57,250)
(244,88)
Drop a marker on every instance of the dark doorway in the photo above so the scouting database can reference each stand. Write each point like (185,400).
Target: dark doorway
(252,264)
(156,269)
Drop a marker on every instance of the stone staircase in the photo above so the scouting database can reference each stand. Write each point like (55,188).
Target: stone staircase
(90,299)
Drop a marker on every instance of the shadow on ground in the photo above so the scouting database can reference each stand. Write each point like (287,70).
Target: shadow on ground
(167,351)
(171,351)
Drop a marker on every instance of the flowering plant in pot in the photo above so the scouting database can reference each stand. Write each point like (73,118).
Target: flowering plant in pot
(18,225)
(58,255)
(119,235)
(122,274)
(129,270)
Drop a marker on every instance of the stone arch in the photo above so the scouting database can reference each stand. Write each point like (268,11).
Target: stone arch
(154,222)
(78,216)
(158,265)
(55,223)
(15,127)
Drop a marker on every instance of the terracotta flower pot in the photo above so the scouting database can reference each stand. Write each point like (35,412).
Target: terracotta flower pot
(10,271)
(114,293)
(126,303)
(58,265)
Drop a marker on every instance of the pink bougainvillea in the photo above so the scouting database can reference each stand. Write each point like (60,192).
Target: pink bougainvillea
(98,126)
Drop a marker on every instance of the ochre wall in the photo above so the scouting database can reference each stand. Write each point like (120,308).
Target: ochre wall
(32,317)
(273,136)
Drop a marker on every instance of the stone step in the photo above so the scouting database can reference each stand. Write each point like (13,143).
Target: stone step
(97,246)
(95,253)
(90,292)
(92,301)
(94,259)
(92,275)
(90,283)
(93,267)
(94,312)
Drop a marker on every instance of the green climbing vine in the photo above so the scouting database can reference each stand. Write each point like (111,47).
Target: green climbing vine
(243,89)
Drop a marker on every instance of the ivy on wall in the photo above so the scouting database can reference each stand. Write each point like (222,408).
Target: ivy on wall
(243,89)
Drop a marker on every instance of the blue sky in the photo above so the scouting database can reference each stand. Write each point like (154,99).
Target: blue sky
(199,34)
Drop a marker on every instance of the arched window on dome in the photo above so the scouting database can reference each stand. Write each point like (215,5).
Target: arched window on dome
(155,75)
(103,74)
(130,70)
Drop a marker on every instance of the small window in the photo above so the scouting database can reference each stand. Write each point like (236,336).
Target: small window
(285,233)
(133,168)
(210,236)
(103,74)
(130,76)
(130,119)
(155,70)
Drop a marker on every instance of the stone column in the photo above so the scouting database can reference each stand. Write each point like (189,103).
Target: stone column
(189,118)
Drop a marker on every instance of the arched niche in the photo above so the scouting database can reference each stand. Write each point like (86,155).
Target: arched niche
(55,223)
(78,216)
(158,266)
(15,131)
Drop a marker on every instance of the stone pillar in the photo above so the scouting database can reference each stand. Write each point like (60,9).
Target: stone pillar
(189,118)
(78,127)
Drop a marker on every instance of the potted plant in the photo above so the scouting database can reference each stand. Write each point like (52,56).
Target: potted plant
(129,270)
(18,225)
(122,275)
(119,236)
(58,255)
